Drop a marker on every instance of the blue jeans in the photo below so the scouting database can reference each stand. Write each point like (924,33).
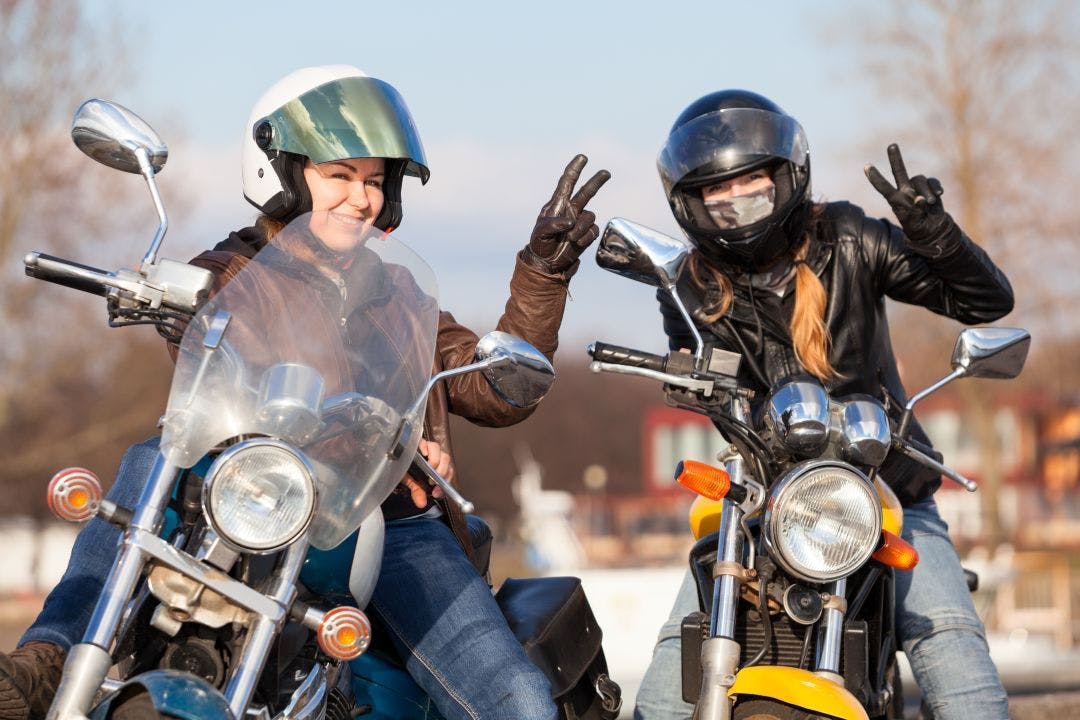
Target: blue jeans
(939,631)
(445,622)
(442,615)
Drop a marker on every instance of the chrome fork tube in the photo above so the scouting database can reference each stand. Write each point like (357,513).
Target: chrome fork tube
(263,630)
(726,586)
(720,653)
(88,662)
(832,632)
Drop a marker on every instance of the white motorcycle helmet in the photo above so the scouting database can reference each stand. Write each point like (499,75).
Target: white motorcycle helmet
(331,112)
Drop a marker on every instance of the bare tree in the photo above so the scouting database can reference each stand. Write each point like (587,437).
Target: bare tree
(55,363)
(990,87)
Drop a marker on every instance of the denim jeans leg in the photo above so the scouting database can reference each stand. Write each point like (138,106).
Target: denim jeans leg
(939,629)
(660,694)
(446,624)
(71,603)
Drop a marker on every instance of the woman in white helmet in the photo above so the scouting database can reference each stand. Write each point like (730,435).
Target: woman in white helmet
(331,139)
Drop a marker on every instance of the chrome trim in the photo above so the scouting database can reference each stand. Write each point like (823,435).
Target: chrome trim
(792,476)
(865,435)
(991,352)
(719,663)
(798,412)
(128,567)
(84,669)
(308,702)
(112,135)
(290,402)
(705,387)
(930,462)
(526,380)
(831,633)
(234,590)
(261,633)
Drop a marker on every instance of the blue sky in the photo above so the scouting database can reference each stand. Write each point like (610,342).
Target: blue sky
(503,94)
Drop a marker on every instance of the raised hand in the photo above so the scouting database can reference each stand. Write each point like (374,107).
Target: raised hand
(915,201)
(565,228)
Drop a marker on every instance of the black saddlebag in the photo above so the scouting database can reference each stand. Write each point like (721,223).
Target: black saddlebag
(552,620)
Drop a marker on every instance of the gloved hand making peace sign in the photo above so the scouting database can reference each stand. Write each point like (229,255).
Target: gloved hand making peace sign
(565,228)
(917,204)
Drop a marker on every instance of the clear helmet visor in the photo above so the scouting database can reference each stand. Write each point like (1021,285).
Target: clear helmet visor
(354,117)
(730,141)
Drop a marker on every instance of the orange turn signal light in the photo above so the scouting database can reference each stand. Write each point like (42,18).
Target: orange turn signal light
(706,480)
(74,494)
(896,552)
(344,633)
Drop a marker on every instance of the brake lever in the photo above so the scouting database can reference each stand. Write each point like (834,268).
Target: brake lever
(421,468)
(705,387)
(924,459)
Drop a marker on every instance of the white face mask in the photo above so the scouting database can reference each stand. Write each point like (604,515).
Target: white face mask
(742,210)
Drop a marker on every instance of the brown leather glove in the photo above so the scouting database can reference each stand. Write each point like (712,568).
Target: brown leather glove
(565,228)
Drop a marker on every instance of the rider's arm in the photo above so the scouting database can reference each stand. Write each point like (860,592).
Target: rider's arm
(959,280)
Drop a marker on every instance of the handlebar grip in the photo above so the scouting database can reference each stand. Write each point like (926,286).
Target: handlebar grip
(67,273)
(616,355)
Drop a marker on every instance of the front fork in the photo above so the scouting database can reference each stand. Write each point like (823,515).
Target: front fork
(88,662)
(720,652)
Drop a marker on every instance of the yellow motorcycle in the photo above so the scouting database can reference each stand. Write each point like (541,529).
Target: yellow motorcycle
(798,537)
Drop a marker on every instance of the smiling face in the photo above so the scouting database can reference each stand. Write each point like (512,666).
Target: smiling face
(346,198)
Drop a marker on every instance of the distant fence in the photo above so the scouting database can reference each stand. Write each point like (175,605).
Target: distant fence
(1041,597)
(35,553)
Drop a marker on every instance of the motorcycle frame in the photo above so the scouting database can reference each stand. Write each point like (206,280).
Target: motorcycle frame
(89,661)
(722,681)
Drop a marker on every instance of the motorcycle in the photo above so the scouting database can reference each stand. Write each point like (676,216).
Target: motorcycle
(243,569)
(798,538)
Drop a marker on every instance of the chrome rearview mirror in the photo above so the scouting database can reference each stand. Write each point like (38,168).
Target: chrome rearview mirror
(516,371)
(986,352)
(640,253)
(117,137)
(991,352)
(113,135)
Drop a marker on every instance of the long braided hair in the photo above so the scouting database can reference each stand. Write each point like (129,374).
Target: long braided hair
(809,333)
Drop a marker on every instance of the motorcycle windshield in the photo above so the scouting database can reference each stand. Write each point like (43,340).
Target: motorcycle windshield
(324,340)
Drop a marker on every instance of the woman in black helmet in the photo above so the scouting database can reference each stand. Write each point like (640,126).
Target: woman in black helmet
(800,287)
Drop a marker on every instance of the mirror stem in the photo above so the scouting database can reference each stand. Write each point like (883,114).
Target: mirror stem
(699,344)
(905,421)
(493,361)
(163,221)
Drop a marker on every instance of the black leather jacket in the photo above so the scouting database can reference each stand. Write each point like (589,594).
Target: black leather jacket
(860,261)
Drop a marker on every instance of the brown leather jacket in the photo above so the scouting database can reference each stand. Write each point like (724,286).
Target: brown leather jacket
(533,312)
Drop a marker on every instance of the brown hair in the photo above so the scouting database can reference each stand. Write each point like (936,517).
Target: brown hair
(809,333)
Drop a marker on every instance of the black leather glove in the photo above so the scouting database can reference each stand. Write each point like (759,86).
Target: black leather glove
(565,228)
(917,204)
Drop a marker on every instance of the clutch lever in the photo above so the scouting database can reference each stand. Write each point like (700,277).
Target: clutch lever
(421,468)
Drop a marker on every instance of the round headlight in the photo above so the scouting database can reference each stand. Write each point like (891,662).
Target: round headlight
(259,495)
(822,521)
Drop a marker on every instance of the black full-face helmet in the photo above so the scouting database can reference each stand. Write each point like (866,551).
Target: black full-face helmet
(721,136)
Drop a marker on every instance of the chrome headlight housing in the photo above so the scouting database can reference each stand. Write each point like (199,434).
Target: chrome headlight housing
(798,412)
(259,495)
(866,435)
(822,521)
